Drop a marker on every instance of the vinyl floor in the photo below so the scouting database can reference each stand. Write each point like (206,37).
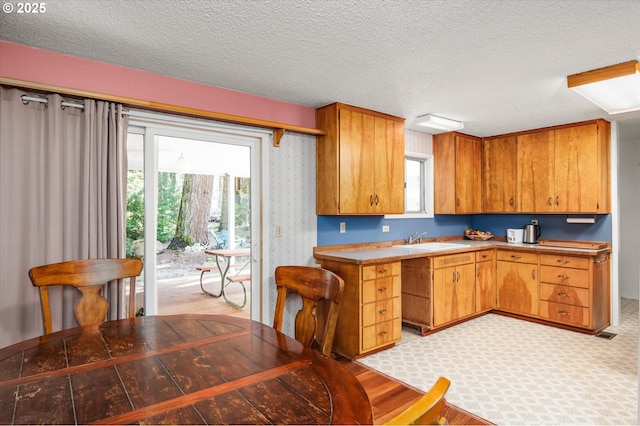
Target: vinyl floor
(514,372)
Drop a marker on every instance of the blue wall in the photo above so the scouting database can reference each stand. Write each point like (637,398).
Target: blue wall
(365,229)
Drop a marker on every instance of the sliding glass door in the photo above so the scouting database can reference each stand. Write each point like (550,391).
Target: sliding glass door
(193,189)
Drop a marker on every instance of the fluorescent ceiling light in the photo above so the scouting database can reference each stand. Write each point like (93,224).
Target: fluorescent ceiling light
(438,123)
(615,89)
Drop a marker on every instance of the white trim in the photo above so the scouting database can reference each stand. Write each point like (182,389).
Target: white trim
(615,227)
(207,130)
(429,190)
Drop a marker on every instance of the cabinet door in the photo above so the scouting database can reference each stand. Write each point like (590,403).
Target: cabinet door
(499,175)
(485,286)
(468,174)
(357,162)
(465,297)
(453,293)
(535,182)
(576,169)
(444,282)
(444,173)
(517,287)
(389,166)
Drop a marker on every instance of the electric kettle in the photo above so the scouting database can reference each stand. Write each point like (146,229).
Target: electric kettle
(531,234)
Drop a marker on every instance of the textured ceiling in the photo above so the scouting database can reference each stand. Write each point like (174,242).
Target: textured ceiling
(499,66)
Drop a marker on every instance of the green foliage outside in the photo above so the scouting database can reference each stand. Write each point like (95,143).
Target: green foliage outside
(168,207)
(169,194)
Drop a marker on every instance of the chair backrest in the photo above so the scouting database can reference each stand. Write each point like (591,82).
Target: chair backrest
(428,410)
(88,276)
(315,323)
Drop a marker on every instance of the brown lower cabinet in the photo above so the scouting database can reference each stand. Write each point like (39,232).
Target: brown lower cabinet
(433,292)
(517,282)
(370,310)
(438,291)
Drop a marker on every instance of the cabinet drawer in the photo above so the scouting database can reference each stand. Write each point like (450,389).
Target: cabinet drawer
(567,314)
(564,294)
(565,261)
(484,255)
(383,288)
(416,309)
(564,276)
(381,334)
(453,260)
(385,310)
(371,272)
(517,256)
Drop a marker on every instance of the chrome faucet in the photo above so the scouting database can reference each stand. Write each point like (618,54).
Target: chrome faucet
(413,238)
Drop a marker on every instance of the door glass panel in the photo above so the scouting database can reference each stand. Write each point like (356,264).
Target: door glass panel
(203,203)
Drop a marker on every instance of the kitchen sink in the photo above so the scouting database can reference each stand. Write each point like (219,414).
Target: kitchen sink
(435,246)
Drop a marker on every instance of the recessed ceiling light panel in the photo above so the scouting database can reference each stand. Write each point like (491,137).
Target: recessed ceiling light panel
(438,123)
(615,89)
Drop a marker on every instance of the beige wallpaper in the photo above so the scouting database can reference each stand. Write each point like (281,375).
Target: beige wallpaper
(417,142)
(292,206)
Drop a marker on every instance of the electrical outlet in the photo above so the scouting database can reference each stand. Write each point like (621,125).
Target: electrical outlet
(278,230)
(534,221)
(385,228)
(343,227)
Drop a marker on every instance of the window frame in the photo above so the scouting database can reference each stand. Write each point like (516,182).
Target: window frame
(427,195)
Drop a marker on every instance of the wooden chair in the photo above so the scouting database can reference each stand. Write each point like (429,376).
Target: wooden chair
(427,410)
(315,323)
(88,276)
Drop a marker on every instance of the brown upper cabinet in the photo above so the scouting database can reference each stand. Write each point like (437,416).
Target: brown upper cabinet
(560,169)
(565,169)
(360,162)
(457,173)
(499,175)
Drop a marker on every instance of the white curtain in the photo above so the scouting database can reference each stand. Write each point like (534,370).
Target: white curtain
(63,175)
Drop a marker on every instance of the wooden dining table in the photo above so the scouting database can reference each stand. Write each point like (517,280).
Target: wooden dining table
(181,369)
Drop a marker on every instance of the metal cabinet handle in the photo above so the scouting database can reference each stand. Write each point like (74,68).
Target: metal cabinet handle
(458,202)
(533,274)
(565,261)
(382,271)
(515,256)
(377,199)
(557,200)
(458,279)
(382,333)
(371,200)
(565,313)
(382,289)
(563,277)
(382,312)
(454,276)
(549,201)
(511,201)
(563,294)
(484,256)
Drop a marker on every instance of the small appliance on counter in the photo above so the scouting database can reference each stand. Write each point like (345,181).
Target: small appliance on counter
(515,236)
(531,233)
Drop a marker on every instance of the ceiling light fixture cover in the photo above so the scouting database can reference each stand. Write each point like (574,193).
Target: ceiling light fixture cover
(615,89)
(438,123)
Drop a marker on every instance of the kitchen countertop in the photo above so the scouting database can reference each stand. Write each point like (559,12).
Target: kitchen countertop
(384,252)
